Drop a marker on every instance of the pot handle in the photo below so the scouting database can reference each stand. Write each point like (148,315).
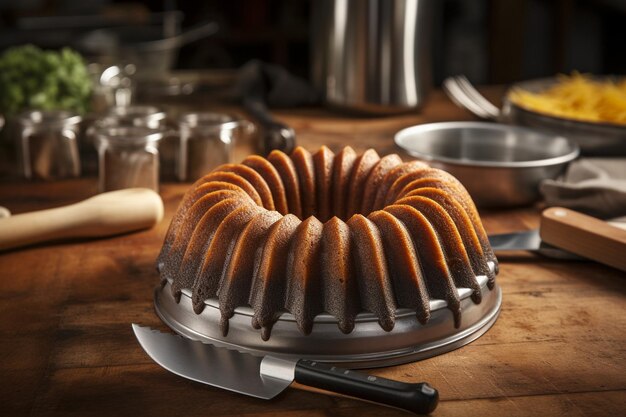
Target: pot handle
(199,32)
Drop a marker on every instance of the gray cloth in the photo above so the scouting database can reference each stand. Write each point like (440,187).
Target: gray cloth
(595,186)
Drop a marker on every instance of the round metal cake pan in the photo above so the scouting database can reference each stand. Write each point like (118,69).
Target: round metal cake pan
(368,345)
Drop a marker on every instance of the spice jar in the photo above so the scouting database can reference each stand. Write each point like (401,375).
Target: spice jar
(120,116)
(128,157)
(123,116)
(206,141)
(48,144)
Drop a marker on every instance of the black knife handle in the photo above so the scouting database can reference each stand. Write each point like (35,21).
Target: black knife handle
(419,398)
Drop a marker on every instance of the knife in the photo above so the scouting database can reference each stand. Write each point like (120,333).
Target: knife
(529,241)
(568,234)
(266,377)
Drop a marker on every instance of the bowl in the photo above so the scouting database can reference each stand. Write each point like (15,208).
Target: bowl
(593,138)
(500,165)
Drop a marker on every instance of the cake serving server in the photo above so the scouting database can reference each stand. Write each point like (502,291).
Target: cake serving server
(266,377)
(568,234)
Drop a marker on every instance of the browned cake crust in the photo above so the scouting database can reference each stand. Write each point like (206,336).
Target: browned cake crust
(360,172)
(323,162)
(375,178)
(342,168)
(303,161)
(335,233)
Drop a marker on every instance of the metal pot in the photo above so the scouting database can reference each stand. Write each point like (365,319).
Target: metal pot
(500,165)
(149,48)
(372,56)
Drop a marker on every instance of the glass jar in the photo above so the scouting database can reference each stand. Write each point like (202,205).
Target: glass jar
(141,116)
(206,141)
(151,117)
(48,144)
(128,157)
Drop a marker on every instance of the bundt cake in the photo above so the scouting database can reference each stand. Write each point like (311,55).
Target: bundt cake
(336,233)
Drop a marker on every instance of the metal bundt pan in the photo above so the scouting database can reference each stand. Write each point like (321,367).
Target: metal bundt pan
(367,346)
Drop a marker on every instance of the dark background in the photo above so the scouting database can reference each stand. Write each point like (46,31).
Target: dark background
(491,41)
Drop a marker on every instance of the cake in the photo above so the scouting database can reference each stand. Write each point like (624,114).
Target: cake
(336,233)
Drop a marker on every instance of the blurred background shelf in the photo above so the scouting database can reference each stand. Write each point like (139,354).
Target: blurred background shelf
(490,41)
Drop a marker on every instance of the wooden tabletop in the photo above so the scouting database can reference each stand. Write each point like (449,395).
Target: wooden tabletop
(66,345)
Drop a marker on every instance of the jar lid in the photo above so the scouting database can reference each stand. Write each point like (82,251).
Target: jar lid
(134,112)
(129,135)
(48,118)
(211,120)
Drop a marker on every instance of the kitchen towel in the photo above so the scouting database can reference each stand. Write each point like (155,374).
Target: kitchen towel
(595,186)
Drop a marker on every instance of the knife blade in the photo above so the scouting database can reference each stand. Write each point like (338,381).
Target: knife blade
(529,241)
(266,377)
(567,234)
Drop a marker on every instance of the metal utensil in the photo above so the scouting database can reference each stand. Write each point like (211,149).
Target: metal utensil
(602,139)
(464,94)
(266,377)
(500,165)
(529,241)
(567,234)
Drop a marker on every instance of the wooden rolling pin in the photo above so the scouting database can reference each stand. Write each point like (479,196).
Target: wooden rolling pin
(584,235)
(105,214)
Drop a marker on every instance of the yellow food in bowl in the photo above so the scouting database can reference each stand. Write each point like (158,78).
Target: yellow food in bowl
(578,97)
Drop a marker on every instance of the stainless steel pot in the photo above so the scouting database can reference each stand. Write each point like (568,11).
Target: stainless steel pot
(372,56)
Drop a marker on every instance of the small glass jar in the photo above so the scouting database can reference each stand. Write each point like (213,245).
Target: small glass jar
(206,141)
(141,116)
(48,144)
(128,157)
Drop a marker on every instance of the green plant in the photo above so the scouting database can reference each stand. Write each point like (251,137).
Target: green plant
(31,78)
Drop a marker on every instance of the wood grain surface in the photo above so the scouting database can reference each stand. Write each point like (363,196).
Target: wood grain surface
(67,348)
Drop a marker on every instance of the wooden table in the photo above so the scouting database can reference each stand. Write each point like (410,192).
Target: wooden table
(66,346)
